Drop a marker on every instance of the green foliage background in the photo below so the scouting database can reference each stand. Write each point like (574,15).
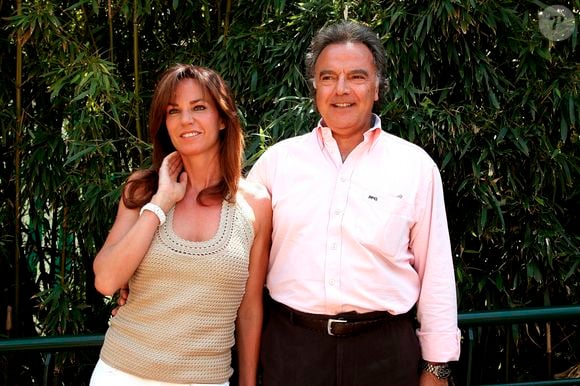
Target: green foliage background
(474,82)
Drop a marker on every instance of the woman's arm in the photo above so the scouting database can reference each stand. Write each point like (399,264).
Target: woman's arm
(250,313)
(131,234)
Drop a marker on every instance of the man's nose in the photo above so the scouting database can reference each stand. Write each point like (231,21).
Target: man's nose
(342,86)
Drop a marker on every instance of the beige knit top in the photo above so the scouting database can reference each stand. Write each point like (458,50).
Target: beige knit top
(178,323)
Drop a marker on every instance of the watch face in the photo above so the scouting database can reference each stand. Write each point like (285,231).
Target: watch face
(443,372)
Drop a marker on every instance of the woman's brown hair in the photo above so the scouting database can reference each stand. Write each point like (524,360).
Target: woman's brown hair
(143,185)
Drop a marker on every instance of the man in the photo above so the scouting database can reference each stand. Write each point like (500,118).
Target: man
(360,239)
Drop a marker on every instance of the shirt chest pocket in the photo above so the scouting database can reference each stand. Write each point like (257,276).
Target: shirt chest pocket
(383,223)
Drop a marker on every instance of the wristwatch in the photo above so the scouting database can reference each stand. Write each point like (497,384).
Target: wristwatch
(441,371)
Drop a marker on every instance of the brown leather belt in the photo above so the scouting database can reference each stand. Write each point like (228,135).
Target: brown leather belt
(341,325)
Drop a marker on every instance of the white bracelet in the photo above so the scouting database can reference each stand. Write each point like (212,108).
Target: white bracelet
(156,210)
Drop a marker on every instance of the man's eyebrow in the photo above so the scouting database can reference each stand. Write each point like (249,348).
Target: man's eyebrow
(356,71)
(359,71)
(326,72)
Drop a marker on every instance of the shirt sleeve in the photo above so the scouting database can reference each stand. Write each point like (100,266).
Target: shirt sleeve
(438,333)
(258,172)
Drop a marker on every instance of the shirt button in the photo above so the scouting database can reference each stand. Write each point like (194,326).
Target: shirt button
(331,282)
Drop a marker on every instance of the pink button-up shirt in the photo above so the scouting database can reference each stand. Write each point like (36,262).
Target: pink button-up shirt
(369,234)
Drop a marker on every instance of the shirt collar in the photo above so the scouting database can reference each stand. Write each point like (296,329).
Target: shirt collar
(370,135)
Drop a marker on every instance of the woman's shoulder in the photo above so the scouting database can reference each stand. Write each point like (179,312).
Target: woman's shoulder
(252,190)
(257,197)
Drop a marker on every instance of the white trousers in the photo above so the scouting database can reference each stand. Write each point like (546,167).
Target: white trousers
(105,375)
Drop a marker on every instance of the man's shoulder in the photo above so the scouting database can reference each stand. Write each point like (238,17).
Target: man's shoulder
(292,141)
(292,145)
(404,147)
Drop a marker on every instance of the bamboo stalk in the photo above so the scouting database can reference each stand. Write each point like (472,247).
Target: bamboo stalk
(63,251)
(137,104)
(17,155)
(110,18)
(227,18)
(218,7)
(549,348)
(508,343)
(207,17)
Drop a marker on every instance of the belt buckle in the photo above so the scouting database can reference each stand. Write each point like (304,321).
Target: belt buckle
(329,325)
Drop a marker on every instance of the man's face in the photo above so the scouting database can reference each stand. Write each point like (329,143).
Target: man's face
(346,83)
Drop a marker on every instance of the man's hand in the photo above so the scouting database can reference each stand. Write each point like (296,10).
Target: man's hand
(121,300)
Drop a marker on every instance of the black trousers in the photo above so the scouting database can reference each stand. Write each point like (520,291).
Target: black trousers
(385,355)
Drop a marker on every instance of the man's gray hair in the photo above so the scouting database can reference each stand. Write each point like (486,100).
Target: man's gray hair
(347,32)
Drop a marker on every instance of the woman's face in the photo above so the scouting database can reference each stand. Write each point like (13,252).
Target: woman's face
(192,119)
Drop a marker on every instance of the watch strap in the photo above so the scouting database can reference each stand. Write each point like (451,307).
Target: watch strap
(441,371)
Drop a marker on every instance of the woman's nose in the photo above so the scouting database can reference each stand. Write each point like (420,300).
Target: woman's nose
(186,116)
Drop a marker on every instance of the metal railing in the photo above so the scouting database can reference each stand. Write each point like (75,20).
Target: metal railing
(470,320)
(52,343)
(467,321)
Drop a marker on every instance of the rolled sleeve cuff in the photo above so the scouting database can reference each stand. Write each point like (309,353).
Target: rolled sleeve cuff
(440,347)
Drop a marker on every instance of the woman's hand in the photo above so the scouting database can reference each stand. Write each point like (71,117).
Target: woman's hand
(172,182)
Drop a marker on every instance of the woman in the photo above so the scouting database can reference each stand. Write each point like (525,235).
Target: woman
(191,238)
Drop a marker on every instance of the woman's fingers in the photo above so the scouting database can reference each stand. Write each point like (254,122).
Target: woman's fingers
(174,163)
